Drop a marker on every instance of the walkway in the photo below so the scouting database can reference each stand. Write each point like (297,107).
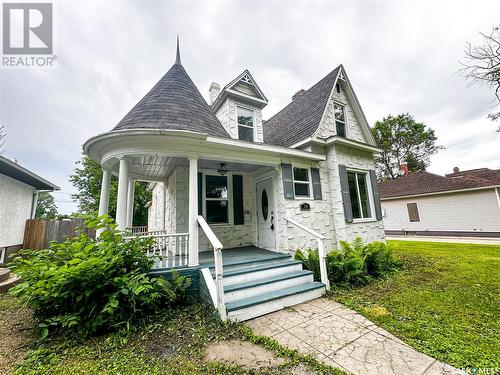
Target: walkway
(345,339)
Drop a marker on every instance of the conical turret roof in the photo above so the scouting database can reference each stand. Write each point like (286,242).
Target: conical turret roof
(174,103)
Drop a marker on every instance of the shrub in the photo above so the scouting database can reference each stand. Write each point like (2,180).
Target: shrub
(87,286)
(354,265)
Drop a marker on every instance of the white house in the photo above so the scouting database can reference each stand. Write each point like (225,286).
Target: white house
(19,189)
(222,177)
(462,203)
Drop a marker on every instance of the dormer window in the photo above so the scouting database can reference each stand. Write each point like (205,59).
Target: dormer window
(339,112)
(245,124)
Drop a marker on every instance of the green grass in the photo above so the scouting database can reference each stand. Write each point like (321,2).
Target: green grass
(173,342)
(445,302)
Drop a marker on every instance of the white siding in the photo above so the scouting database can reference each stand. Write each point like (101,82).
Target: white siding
(474,211)
(16,199)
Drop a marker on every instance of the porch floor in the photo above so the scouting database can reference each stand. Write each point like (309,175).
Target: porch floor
(238,255)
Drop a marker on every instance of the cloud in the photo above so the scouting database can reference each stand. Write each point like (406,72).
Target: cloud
(400,56)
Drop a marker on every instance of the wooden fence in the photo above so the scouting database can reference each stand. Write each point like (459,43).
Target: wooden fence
(39,233)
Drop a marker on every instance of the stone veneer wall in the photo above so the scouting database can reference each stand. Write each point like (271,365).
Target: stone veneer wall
(369,231)
(327,127)
(319,218)
(227,116)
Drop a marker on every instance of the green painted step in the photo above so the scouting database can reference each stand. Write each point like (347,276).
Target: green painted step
(267,280)
(258,268)
(237,262)
(256,300)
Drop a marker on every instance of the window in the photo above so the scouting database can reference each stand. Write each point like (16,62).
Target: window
(337,88)
(413,212)
(245,124)
(339,113)
(301,182)
(216,199)
(358,191)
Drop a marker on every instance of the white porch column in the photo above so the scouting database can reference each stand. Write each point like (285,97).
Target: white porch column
(130,202)
(121,202)
(104,197)
(193,211)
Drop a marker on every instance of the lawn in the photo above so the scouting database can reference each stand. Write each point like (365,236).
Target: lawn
(445,302)
(173,342)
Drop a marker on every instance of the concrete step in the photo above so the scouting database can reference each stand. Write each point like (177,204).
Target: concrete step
(265,303)
(5,285)
(253,288)
(4,274)
(241,264)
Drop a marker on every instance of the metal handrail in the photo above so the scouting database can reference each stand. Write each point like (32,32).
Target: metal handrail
(320,240)
(219,270)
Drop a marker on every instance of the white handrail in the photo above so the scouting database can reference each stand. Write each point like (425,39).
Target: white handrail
(320,240)
(217,245)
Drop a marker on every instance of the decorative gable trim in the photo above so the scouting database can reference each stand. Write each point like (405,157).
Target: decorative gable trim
(356,106)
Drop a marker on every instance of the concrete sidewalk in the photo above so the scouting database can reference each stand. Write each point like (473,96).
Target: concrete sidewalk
(473,240)
(345,339)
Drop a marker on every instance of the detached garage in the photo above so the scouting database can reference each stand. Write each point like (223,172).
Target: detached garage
(19,189)
(459,204)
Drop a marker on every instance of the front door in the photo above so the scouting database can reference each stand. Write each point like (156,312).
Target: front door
(265,214)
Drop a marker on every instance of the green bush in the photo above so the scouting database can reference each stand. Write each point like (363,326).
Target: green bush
(87,286)
(354,265)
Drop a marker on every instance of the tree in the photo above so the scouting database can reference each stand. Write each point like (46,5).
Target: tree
(87,180)
(46,207)
(3,135)
(402,139)
(482,65)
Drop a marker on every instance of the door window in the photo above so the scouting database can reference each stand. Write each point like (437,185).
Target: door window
(264,205)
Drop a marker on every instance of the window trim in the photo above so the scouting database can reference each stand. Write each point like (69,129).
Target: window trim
(308,182)
(345,118)
(229,176)
(371,203)
(253,127)
(418,212)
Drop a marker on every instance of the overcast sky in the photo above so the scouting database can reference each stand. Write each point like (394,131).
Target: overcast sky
(400,56)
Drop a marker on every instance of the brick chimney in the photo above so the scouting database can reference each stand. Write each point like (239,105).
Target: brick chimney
(403,169)
(298,93)
(214,91)
(456,170)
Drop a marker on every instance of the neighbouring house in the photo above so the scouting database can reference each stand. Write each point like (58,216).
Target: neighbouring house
(462,203)
(19,190)
(222,177)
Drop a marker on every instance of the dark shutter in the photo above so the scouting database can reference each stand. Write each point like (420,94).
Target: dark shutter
(376,195)
(316,182)
(346,198)
(200,193)
(287,173)
(239,218)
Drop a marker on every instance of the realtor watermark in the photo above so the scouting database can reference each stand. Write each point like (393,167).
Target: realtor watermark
(28,39)
(481,370)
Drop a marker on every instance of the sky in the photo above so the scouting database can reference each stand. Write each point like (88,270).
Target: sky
(401,56)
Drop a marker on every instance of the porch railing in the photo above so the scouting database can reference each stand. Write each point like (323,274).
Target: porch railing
(320,240)
(168,249)
(139,229)
(217,245)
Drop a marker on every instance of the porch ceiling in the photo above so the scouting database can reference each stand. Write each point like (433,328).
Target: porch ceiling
(158,168)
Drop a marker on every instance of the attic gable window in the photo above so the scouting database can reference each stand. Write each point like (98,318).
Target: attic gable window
(339,113)
(245,124)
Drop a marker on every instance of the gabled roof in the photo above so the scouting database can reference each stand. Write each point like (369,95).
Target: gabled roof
(300,119)
(16,172)
(174,103)
(244,87)
(427,183)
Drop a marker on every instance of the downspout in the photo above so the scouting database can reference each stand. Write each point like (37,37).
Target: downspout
(34,203)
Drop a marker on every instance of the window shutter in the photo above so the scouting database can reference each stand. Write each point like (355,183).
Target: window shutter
(346,198)
(239,217)
(200,193)
(413,212)
(376,195)
(287,173)
(316,184)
